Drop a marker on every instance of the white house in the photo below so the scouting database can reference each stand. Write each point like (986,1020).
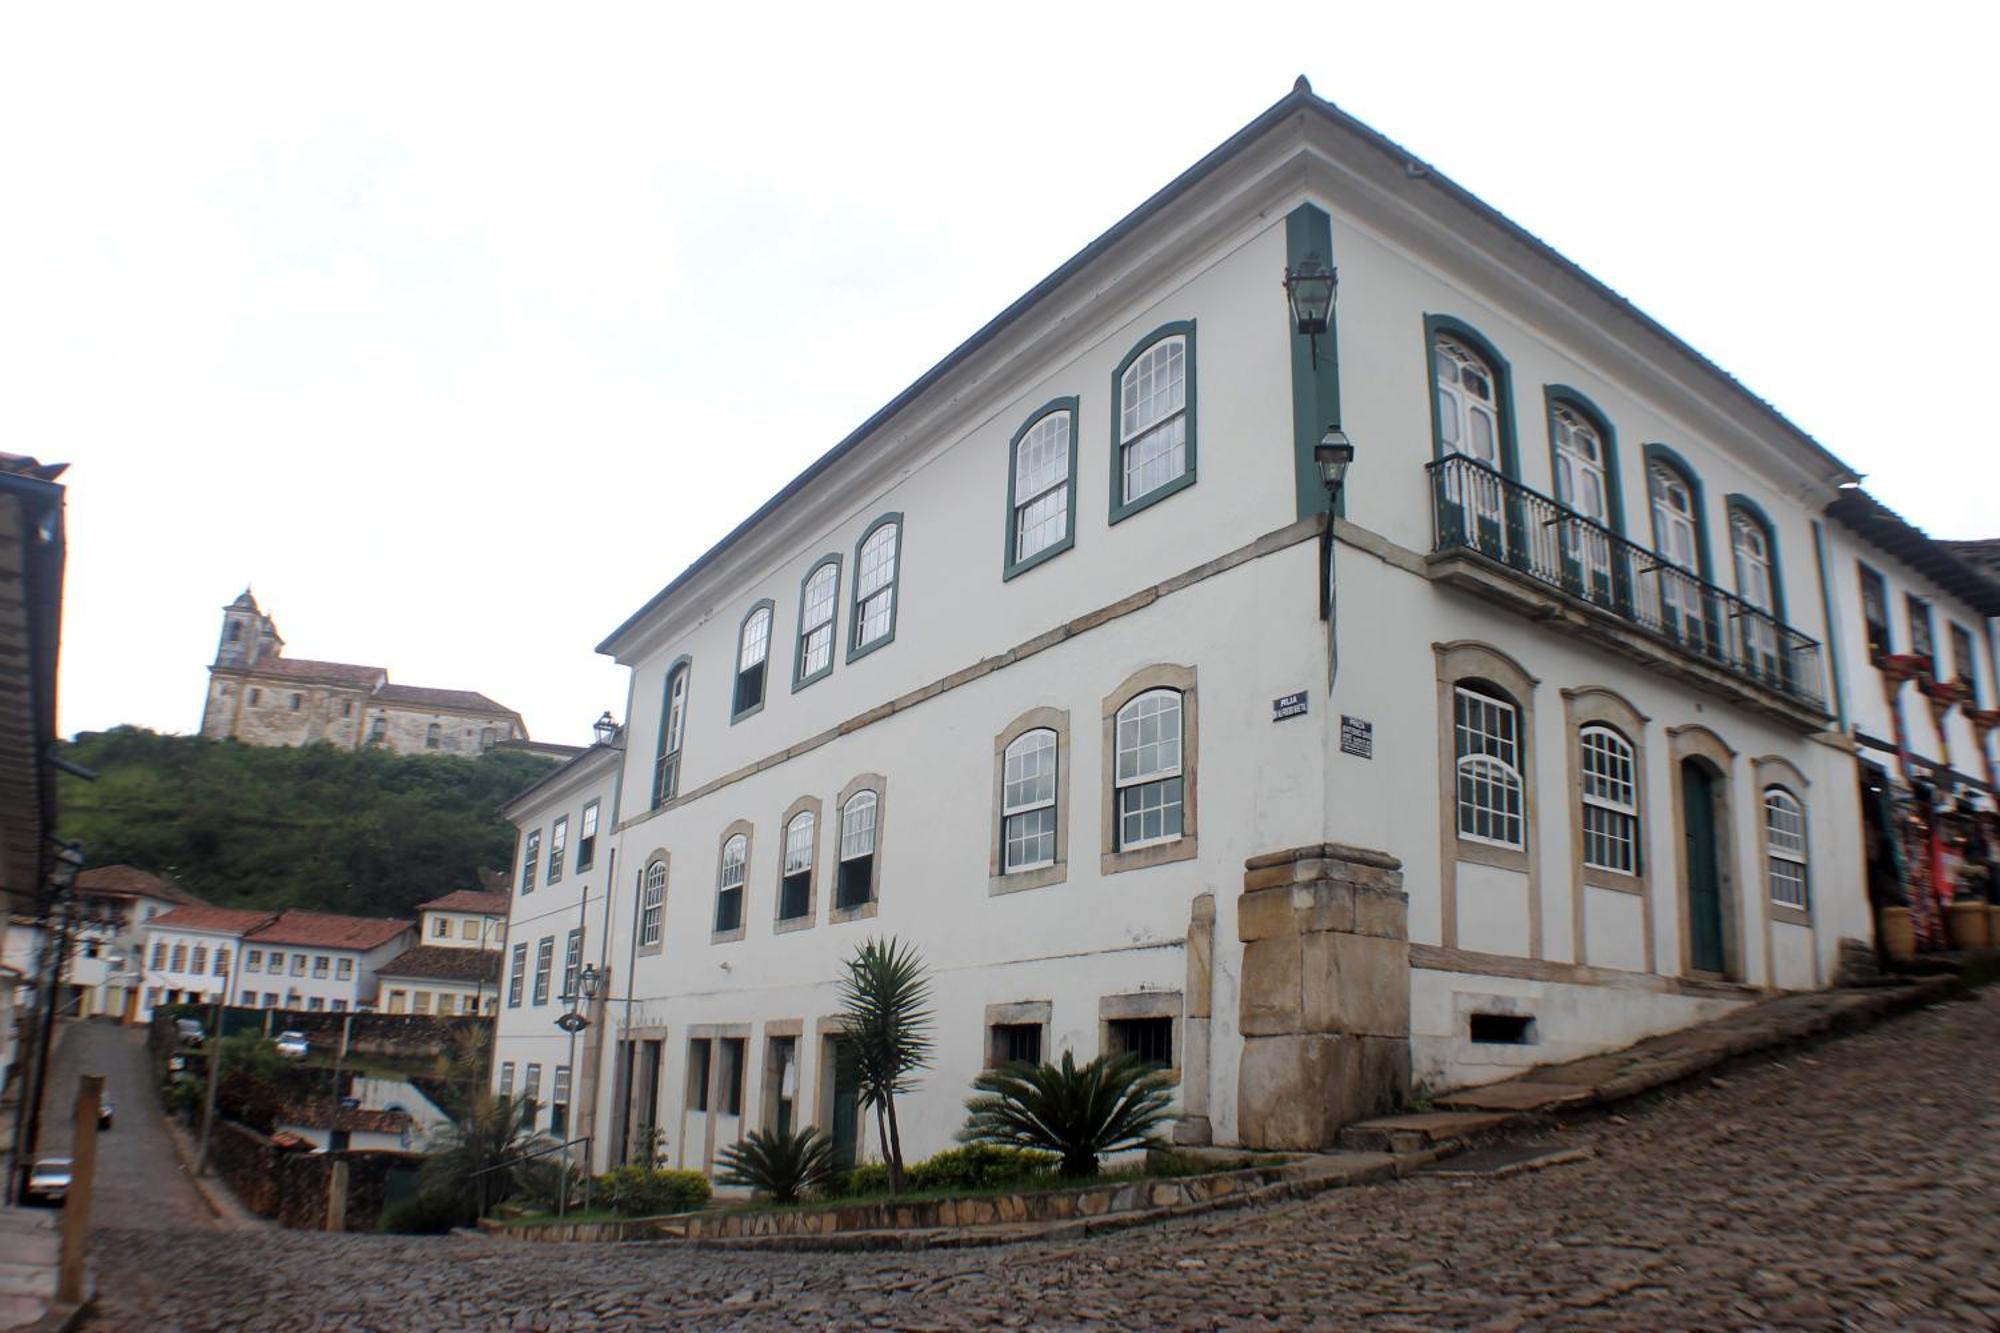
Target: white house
(318,961)
(1532,752)
(107,915)
(564,890)
(191,954)
(455,968)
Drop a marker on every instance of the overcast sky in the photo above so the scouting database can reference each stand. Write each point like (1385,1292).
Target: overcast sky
(458,331)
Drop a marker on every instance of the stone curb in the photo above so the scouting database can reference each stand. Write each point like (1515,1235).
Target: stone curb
(227,1209)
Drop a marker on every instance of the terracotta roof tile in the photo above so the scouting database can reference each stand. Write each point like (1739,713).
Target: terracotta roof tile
(130,881)
(304,669)
(470,900)
(326,930)
(466,700)
(229,920)
(433,963)
(315,1115)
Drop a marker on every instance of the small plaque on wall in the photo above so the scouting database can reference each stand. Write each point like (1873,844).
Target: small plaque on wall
(1288,705)
(1357,737)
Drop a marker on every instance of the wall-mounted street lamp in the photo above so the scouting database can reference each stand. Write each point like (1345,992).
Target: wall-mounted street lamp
(1309,288)
(1332,454)
(604,729)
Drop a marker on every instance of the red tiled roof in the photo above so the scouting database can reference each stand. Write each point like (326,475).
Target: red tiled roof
(318,1115)
(132,882)
(470,900)
(432,962)
(304,669)
(467,700)
(326,930)
(227,920)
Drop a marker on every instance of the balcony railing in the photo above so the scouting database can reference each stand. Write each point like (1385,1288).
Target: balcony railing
(1474,508)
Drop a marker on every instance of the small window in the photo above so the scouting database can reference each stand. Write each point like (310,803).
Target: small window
(347,708)
(1154,456)
(447,1003)
(558,842)
(1875,613)
(531,854)
(1041,522)
(1016,1043)
(1028,802)
(255,696)
(486,738)
(572,967)
(299,964)
(531,1083)
(222,962)
(468,929)
(340,1006)
(248,999)
(1148,781)
(818,598)
(795,878)
(753,652)
(180,958)
(1501,1029)
(1965,661)
(653,905)
(507,1078)
(378,729)
(545,959)
(856,883)
(1785,848)
(730,1084)
(1610,801)
(432,735)
(322,966)
(698,1058)
(1921,641)
(586,843)
(297,699)
(253,960)
(200,958)
(673,729)
(1151,1039)
(516,976)
(420,1002)
(1487,730)
(159,955)
(343,970)
(729,884)
(441,927)
(875,567)
(277,963)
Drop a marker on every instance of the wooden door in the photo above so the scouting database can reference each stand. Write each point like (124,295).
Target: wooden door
(1704,877)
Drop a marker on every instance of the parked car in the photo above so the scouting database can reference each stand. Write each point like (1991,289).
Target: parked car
(48,1181)
(292,1044)
(104,1113)
(190,1030)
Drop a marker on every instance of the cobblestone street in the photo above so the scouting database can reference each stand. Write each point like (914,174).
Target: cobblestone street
(1854,1185)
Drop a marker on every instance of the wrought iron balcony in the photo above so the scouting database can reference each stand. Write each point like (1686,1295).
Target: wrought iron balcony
(1478,511)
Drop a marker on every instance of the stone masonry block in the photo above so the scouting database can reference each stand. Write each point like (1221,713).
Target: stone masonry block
(1265,914)
(1271,996)
(1332,907)
(1355,984)
(1384,914)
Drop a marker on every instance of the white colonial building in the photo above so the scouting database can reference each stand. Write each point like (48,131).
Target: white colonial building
(1539,753)
(314,961)
(191,954)
(560,926)
(105,921)
(455,966)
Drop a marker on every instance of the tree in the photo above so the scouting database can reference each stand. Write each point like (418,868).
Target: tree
(478,1160)
(784,1166)
(1110,1105)
(886,1033)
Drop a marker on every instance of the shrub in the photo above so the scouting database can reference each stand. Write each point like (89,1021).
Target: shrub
(422,1215)
(1109,1105)
(783,1166)
(978,1166)
(634,1191)
(864,1180)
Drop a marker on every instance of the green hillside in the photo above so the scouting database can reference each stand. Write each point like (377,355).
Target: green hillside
(366,833)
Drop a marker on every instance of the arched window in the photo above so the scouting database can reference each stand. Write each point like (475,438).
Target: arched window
(1752,552)
(431,734)
(1041,521)
(1153,431)
(795,876)
(1785,848)
(1468,403)
(1028,803)
(818,596)
(1150,794)
(200,958)
(1488,744)
(1610,801)
(673,729)
(753,653)
(875,567)
(856,882)
(653,905)
(729,884)
(1583,486)
(1677,539)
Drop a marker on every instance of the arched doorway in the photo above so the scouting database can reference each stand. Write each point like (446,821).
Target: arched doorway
(1701,825)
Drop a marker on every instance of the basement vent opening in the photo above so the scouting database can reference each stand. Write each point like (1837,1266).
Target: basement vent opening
(1503,1029)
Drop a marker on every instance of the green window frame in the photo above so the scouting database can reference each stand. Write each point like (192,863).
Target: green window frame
(673,740)
(1058,409)
(857,622)
(1121,508)
(800,676)
(1456,329)
(740,679)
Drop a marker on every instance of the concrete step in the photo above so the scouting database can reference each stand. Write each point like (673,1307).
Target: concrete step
(1419,1132)
(1520,1095)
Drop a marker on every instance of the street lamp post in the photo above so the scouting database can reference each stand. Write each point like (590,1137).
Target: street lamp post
(1332,454)
(573,1022)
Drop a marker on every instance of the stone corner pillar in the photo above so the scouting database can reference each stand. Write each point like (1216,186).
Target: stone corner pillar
(1192,1128)
(1325,1001)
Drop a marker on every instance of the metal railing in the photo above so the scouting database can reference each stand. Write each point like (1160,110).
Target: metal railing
(1474,508)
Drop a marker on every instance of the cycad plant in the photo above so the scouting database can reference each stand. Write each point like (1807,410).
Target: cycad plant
(783,1166)
(477,1161)
(1112,1104)
(886,1034)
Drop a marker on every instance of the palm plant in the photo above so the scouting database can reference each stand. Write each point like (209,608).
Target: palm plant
(783,1166)
(1109,1105)
(886,1022)
(480,1159)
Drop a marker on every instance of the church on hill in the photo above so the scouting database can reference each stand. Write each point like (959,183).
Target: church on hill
(259,696)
